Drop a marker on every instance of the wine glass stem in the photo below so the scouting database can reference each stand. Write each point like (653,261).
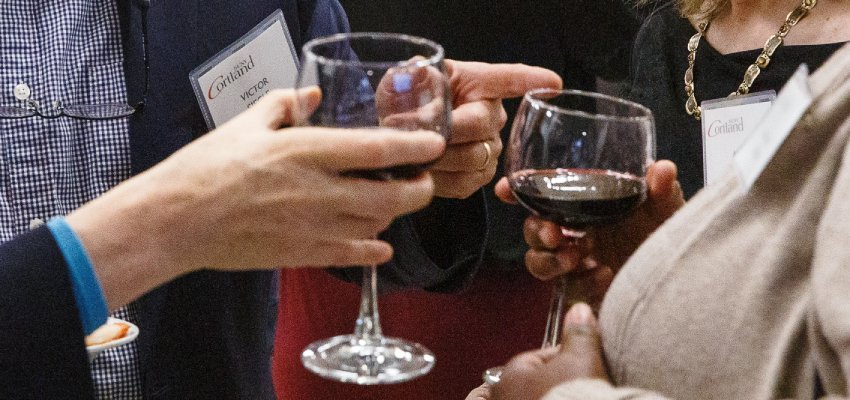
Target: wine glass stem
(555,323)
(368,325)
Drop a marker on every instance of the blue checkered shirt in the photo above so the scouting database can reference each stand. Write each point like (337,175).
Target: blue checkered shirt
(68,50)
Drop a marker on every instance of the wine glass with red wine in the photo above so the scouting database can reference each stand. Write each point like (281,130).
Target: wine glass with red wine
(374,80)
(578,159)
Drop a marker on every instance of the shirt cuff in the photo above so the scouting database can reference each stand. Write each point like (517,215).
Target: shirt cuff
(91,303)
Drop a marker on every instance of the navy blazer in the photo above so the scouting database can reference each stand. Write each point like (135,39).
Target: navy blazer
(42,354)
(207,335)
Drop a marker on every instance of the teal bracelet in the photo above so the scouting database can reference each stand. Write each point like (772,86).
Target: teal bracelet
(91,302)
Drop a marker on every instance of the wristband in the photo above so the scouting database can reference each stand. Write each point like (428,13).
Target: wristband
(91,302)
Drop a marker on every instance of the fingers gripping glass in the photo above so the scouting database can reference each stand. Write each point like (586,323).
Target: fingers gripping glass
(372,80)
(56,109)
(578,159)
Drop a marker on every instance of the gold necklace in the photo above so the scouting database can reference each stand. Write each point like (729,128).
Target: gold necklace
(691,105)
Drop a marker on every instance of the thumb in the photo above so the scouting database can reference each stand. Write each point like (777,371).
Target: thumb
(665,193)
(282,107)
(480,393)
(580,355)
(503,191)
(581,332)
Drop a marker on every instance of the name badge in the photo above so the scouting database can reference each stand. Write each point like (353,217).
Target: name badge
(726,123)
(793,101)
(234,79)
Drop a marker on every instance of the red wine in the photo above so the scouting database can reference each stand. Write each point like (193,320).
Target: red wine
(578,197)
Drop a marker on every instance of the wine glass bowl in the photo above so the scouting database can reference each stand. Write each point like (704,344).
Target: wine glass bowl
(579,158)
(373,81)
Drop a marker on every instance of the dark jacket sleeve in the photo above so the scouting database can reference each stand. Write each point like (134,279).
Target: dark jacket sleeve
(437,249)
(42,353)
(322,18)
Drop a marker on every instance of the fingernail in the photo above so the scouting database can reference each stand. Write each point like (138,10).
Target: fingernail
(579,314)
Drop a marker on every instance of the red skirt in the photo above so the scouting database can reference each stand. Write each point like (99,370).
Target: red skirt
(499,315)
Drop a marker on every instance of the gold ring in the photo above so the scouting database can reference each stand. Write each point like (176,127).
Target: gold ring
(487,155)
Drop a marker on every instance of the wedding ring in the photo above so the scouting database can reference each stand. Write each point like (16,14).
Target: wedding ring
(487,155)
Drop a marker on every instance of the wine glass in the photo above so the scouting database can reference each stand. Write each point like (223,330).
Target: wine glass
(578,159)
(374,80)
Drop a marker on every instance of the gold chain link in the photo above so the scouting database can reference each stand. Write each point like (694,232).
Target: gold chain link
(762,61)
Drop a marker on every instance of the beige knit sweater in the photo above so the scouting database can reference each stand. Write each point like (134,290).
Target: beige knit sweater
(744,296)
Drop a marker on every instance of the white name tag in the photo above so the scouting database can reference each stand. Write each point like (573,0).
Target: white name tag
(726,123)
(235,78)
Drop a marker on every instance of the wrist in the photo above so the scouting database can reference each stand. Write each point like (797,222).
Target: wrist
(127,236)
(88,294)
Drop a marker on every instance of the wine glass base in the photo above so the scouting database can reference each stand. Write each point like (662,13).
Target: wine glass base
(493,375)
(349,359)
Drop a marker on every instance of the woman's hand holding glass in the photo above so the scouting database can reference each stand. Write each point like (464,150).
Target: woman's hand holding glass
(579,160)
(475,145)
(478,117)
(530,375)
(595,258)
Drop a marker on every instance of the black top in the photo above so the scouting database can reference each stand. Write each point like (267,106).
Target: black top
(580,40)
(659,63)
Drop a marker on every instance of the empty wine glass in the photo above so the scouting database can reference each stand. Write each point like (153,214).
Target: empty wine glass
(374,80)
(578,159)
